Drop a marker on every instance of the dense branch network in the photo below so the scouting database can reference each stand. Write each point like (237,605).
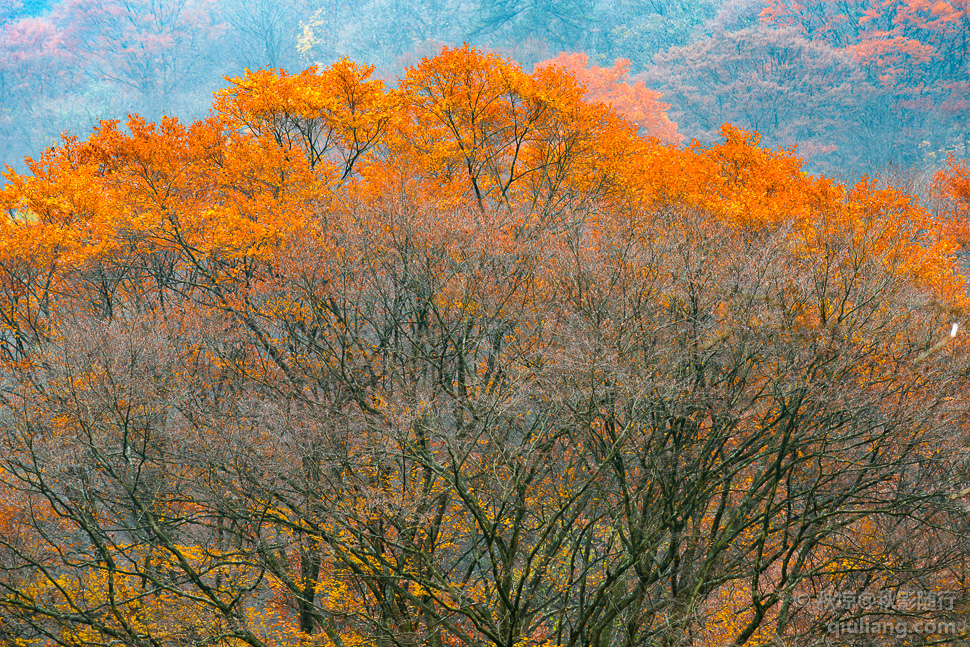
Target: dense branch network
(466,362)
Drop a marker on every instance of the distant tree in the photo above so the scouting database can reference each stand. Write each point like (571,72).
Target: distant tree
(150,50)
(264,34)
(639,30)
(793,91)
(631,100)
(733,15)
(915,51)
(17,9)
(565,25)
(40,86)
(9,9)
(382,32)
(838,22)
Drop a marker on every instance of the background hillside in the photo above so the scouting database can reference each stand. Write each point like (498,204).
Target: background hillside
(858,85)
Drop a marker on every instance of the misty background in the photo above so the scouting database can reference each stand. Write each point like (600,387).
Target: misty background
(65,65)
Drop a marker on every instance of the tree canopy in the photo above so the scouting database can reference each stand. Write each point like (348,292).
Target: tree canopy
(468,361)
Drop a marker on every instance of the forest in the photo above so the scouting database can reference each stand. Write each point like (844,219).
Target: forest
(861,87)
(512,323)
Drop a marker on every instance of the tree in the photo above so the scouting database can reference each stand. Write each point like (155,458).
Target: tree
(633,101)
(265,35)
(638,31)
(464,362)
(915,50)
(793,91)
(37,71)
(147,49)
(564,24)
(953,190)
(9,9)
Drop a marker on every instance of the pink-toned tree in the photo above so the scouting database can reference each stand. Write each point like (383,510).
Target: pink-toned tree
(153,52)
(630,98)
(38,80)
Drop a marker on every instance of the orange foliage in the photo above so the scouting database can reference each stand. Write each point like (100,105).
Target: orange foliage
(953,184)
(462,125)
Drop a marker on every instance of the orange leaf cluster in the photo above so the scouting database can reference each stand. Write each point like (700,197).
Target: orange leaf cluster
(953,185)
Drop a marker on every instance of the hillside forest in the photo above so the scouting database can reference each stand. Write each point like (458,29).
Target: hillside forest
(509,323)
(859,86)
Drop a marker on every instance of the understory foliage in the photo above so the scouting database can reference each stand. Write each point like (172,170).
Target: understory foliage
(466,362)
